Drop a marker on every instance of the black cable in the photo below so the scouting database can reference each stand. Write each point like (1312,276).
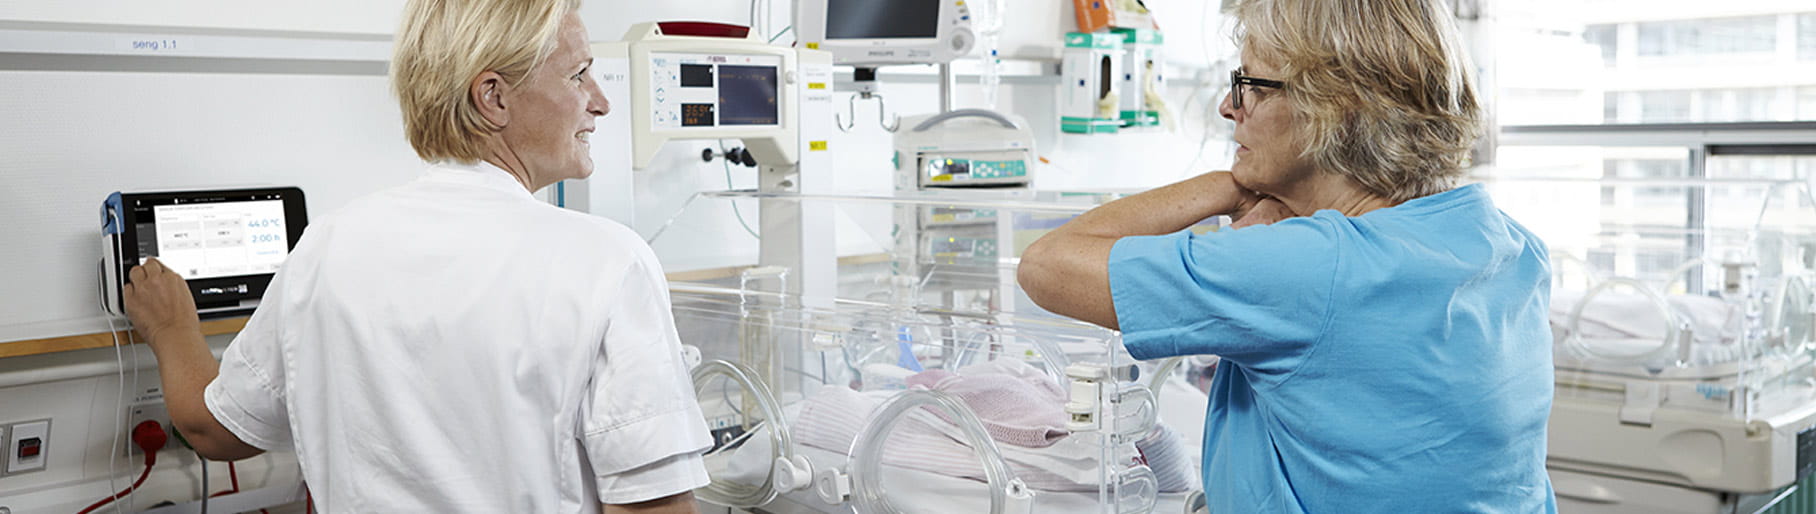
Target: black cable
(204,463)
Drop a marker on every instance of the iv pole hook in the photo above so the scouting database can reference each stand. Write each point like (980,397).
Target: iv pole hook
(883,119)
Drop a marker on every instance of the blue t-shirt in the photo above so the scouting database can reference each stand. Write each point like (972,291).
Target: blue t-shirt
(1398,361)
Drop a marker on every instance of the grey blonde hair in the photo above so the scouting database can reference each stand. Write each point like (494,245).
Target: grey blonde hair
(443,45)
(1381,91)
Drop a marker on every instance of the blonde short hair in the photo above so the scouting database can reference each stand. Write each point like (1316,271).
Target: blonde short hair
(443,44)
(1381,90)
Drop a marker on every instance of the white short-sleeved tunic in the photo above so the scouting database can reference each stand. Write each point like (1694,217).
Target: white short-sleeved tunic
(455,345)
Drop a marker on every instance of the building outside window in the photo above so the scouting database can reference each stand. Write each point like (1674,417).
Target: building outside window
(1806,36)
(1667,66)
(1708,36)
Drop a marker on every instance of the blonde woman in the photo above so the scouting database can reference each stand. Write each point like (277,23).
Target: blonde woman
(1383,331)
(454,345)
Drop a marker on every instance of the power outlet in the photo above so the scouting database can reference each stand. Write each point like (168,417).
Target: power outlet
(136,414)
(27,447)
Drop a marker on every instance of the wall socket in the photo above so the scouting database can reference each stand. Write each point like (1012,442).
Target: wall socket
(28,446)
(146,412)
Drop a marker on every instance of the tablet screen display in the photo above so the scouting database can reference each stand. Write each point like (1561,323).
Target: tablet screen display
(210,240)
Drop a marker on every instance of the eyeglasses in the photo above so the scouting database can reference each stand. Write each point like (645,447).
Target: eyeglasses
(1237,80)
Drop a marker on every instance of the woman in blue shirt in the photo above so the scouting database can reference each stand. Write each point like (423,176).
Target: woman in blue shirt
(1383,331)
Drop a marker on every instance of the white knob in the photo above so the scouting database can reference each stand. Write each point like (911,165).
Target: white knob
(962,39)
(792,474)
(833,486)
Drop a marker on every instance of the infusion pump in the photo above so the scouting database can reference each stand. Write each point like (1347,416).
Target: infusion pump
(964,148)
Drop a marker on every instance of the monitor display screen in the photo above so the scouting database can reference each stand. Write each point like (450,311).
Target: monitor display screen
(703,91)
(697,115)
(215,239)
(882,19)
(747,95)
(696,75)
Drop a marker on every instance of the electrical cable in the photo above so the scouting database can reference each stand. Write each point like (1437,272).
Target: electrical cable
(233,477)
(785,30)
(133,344)
(113,450)
(205,495)
(150,438)
(754,25)
(734,206)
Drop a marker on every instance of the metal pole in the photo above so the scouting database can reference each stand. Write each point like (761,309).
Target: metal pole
(948,83)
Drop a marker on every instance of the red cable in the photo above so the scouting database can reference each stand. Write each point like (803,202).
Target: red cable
(234,474)
(122,494)
(150,437)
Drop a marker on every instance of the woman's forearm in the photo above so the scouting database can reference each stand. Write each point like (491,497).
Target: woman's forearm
(1067,270)
(1164,210)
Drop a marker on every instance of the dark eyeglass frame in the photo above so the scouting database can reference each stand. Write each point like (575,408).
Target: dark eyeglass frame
(1237,80)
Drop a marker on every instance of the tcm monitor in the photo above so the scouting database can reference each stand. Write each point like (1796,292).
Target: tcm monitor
(227,244)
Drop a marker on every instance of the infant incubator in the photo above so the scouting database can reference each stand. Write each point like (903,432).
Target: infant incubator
(1683,351)
(922,380)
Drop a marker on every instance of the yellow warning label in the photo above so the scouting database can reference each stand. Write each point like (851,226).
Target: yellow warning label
(816,85)
(813,46)
(942,178)
(816,146)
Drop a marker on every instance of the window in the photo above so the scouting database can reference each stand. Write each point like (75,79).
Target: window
(1738,61)
(1806,36)
(1645,204)
(1603,36)
(1558,191)
(1705,105)
(1664,106)
(1700,86)
(1657,263)
(1741,204)
(1718,105)
(1708,36)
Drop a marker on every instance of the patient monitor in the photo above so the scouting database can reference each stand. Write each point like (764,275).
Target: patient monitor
(880,32)
(679,81)
(227,243)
